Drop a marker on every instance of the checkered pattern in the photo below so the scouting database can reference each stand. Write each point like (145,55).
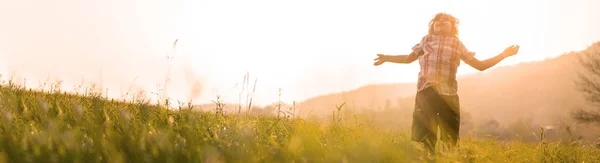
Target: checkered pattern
(439,62)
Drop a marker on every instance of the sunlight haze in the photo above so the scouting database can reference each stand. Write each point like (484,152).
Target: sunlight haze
(306,48)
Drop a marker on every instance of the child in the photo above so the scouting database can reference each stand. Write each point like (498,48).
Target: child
(437,102)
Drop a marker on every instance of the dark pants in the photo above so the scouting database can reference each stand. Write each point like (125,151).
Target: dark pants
(432,111)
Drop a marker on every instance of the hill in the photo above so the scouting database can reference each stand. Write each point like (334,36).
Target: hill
(541,92)
(59,127)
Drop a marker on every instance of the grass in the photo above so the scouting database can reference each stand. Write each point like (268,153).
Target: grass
(54,126)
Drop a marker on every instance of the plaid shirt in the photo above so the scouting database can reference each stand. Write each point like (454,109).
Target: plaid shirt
(439,61)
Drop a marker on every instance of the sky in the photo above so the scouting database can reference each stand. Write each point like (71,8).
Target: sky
(301,48)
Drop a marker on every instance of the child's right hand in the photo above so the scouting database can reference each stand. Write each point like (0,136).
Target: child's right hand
(380,59)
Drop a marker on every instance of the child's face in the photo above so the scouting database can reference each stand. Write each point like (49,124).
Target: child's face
(442,25)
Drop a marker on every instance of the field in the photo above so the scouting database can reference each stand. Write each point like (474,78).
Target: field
(53,126)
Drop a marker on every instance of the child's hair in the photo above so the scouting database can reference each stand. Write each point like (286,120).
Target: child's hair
(453,20)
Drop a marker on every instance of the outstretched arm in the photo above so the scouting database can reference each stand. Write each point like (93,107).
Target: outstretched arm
(405,59)
(483,65)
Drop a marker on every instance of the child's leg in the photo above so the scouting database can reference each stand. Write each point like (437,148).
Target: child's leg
(449,120)
(425,124)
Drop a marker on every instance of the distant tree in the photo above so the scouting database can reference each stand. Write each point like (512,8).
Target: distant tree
(388,104)
(589,84)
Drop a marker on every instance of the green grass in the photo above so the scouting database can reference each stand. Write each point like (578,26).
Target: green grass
(58,127)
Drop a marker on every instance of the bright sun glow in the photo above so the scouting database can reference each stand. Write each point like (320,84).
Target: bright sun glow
(306,48)
(315,47)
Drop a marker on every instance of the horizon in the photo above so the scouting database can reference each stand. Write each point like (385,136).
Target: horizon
(463,75)
(123,45)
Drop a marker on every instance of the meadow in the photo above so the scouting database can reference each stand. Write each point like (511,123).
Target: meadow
(53,126)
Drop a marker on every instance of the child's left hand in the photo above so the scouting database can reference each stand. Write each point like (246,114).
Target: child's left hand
(511,50)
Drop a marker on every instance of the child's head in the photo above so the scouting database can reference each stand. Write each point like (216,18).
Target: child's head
(444,24)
